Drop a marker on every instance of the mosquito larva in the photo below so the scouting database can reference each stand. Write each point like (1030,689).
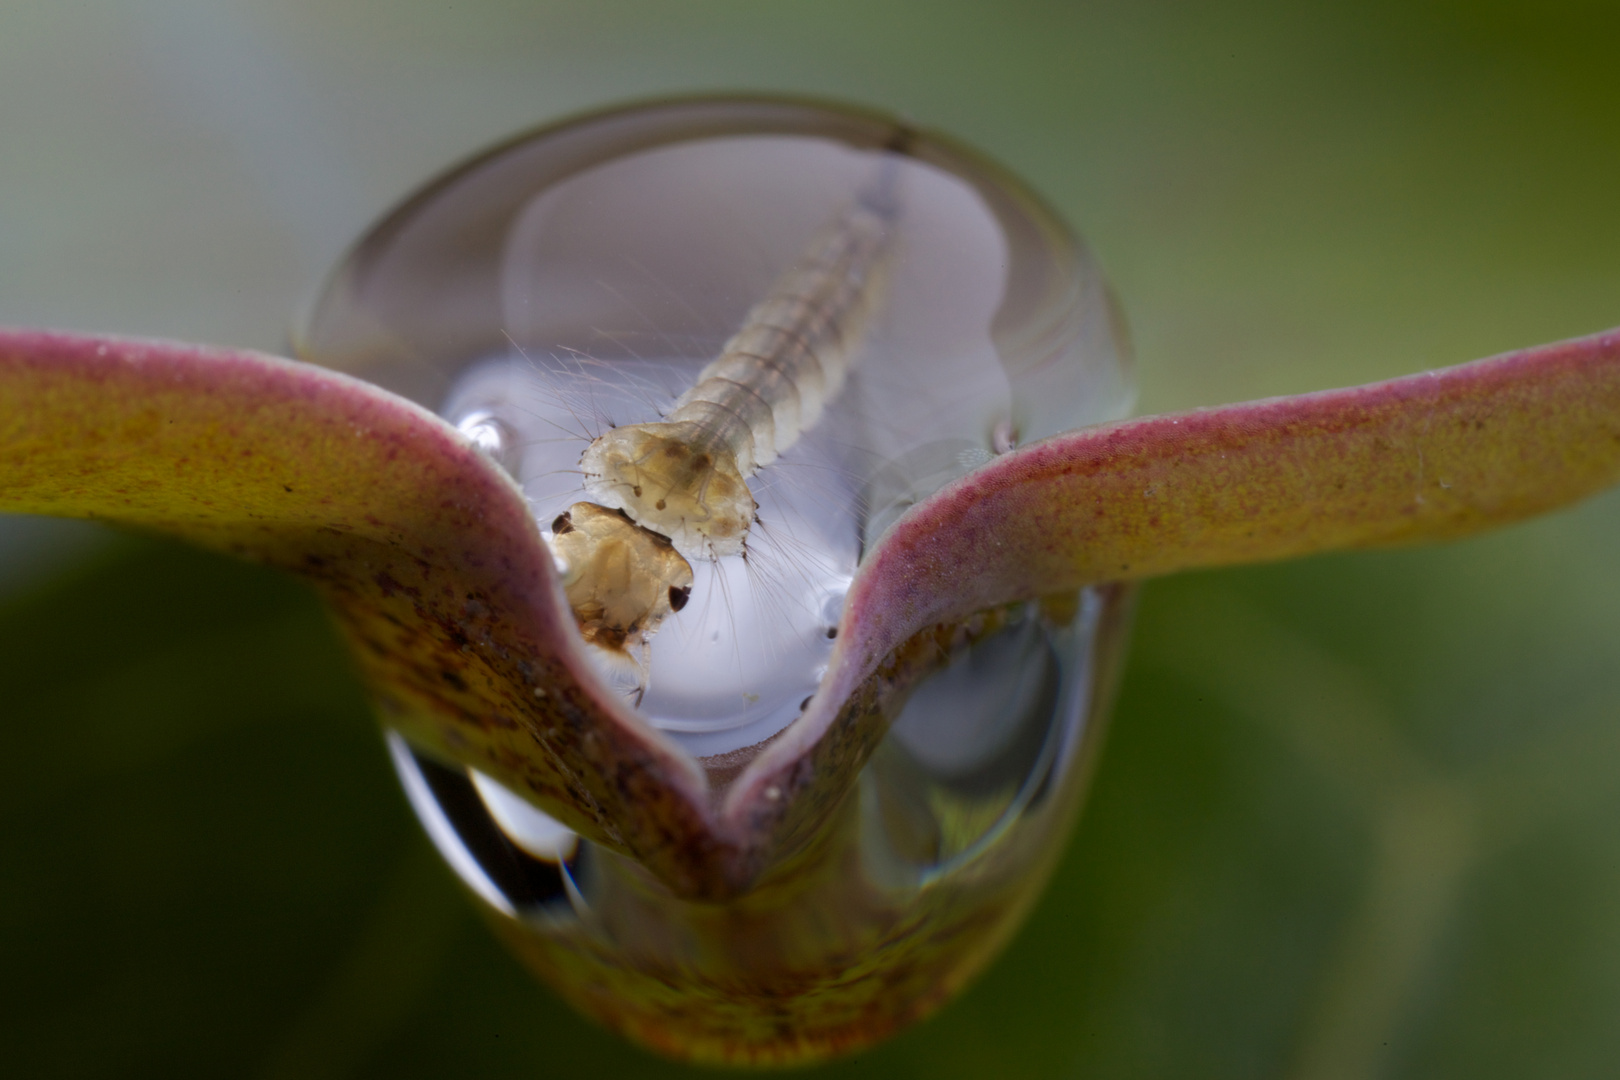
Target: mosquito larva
(621,579)
(680,484)
(685,476)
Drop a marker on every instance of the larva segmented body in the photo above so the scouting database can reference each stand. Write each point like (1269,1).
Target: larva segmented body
(684,477)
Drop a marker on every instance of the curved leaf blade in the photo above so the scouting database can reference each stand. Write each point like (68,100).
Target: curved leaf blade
(424,550)
(1427,457)
(436,571)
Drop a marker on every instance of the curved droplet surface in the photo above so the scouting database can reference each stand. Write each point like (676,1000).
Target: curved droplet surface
(904,895)
(582,282)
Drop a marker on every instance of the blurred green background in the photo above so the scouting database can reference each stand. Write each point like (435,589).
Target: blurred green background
(1356,818)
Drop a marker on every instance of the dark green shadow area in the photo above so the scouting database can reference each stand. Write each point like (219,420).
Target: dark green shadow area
(1356,818)
(199,822)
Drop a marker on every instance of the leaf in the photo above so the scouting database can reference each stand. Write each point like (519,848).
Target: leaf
(424,550)
(1426,457)
(435,569)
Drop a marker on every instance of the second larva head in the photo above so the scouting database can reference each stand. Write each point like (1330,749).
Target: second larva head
(621,580)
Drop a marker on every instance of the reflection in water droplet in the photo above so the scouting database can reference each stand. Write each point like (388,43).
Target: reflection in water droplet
(579,281)
(539,834)
(994,699)
(972,458)
(951,826)
(979,742)
(490,435)
(1005,438)
(516,859)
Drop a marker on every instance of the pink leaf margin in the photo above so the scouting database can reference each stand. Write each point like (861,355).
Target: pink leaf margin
(434,567)
(1426,457)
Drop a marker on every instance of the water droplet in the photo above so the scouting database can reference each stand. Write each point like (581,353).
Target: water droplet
(973,457)
(577,282)
(1005,437)
(491,436)
(514,857)
(567,286)
(980,742)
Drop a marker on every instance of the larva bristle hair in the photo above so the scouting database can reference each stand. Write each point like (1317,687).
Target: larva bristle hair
(685,476)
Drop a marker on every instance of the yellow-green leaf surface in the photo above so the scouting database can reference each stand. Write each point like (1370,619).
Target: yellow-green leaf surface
(428,556)
(1428,457)
(1356,814)
(423,549)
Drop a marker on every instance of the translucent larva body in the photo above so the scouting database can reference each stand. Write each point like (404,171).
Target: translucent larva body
(843,315)
(684,477)
(621,580)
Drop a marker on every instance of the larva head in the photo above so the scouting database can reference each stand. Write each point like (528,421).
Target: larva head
(674,484)
(621,580)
